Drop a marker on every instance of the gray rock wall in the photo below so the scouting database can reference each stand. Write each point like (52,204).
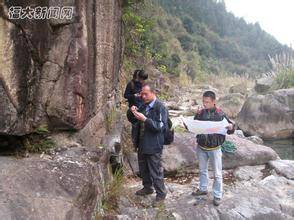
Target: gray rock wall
(57,72)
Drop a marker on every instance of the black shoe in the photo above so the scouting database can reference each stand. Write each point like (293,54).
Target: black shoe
(216,201)
(144,192)
(159,201)
(199,193)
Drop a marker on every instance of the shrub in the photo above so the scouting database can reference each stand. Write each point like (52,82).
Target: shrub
(38,144)
(284,79)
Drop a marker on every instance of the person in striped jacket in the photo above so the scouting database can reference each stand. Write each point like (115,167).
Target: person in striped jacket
(209,147)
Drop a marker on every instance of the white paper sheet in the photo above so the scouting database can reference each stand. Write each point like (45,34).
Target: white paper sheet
(206,127)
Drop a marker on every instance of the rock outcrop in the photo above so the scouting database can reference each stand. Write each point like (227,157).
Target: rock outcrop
(60,75)
(231,104)
(263,195)
(247,153)
(66,185)
(269,116)
(264,84)
(59,72)
(283,167)
(180,157)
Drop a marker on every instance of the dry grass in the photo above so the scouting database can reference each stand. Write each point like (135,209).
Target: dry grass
(114,190)
(224,81)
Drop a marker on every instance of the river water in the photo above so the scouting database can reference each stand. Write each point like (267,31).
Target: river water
(284,148)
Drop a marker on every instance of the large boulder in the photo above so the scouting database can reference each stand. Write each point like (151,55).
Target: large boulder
(269,116)
(180,156)
(231,104)
(59,72)
(264,84)
(255,139)
(239,88)
(247,153)
(66,185)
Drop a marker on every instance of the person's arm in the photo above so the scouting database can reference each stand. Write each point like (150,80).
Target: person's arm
(131,117)
(129,94)
(157,125)
(230,131)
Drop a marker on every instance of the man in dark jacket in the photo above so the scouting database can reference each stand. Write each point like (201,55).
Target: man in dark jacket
(149,123)
(209,147)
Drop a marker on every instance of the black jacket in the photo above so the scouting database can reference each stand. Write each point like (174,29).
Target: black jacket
(132,88)
(211,141)
(152,139)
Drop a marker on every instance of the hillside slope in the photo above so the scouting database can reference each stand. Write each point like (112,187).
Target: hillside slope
(196,37)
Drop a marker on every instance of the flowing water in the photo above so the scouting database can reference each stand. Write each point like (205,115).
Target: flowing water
(284,148)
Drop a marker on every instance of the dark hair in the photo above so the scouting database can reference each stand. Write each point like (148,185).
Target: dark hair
(140,74)
(210,94)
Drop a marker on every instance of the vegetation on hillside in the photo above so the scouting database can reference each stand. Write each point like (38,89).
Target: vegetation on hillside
(282,71)
(284,79)
(194,37)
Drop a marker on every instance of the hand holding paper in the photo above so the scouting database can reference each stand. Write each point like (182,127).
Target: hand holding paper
(206,127)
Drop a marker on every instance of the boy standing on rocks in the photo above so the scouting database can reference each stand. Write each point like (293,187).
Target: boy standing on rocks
(209,147)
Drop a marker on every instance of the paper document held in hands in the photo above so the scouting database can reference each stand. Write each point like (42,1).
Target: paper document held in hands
(206,127)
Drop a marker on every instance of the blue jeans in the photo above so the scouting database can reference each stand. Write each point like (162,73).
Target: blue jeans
(216,158)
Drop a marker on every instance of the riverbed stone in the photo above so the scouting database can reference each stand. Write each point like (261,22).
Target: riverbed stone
(249,172)
(253,200)
(283,167)
(255,139)
(247,153)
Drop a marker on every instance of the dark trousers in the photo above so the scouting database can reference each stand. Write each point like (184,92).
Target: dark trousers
(133,134)
(151,172)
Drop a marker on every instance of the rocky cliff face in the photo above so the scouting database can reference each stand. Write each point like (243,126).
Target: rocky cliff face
(59,72)
(62,74)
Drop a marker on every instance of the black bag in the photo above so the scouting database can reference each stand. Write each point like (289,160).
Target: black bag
(168,133)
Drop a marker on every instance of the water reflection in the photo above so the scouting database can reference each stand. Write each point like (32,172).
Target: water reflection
(284,148)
